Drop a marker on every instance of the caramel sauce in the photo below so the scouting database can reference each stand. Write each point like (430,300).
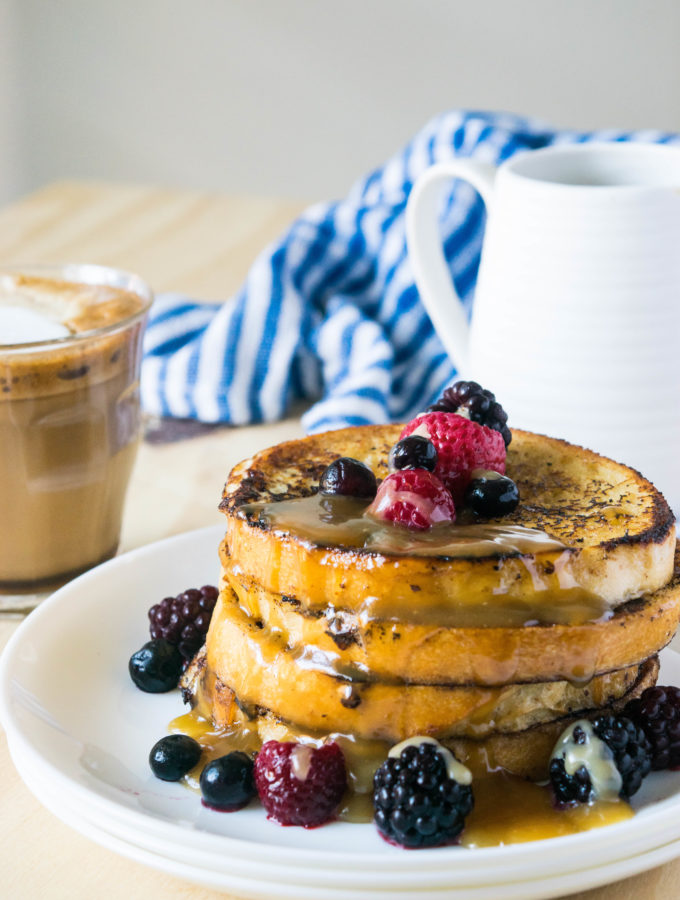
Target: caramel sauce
(507,810)
(215,742)
(549,605)
(340,522)
(553,594)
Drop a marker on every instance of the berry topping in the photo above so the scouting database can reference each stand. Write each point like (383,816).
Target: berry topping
(490,494)
(183,620)
(227,782)
(349,477)
(461,445)
(173,756)
(156,668)
(657,712)
(469,399)
(421,794)
(603,759)
(414,452)
(414,498)
(299,784)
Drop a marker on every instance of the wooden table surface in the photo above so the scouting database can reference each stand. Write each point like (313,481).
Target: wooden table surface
(203,244)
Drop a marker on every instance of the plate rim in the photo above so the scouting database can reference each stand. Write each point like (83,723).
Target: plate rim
(650,859)
(443,879)
(437,857)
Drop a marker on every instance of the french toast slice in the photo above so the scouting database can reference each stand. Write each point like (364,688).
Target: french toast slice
(320,694)
(432,654)
(527,753)
(492,645)
(615,534)
(524,753)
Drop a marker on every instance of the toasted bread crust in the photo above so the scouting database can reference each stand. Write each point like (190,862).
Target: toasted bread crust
(618,531)
(299,687)
(433,654)
(482,651)
(527,753)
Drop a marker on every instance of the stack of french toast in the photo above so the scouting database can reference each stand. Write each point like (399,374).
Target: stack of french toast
(489,636)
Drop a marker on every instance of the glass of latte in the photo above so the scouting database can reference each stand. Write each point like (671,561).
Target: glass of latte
(70,353)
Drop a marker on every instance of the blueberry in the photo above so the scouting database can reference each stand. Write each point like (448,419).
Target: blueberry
(413,452)
(157,667)
(490,494)
(227,783)
(173,756)
(349,477)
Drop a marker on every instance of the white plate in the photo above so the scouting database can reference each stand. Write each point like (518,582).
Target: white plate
(81,733)
(262,888)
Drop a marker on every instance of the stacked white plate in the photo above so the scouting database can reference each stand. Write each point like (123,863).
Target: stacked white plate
(80,733)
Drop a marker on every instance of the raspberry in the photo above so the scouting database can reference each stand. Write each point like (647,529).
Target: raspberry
(417,802)
(471,400)
(657,712)
(183,620)
(624,762)
(414,498)
(462,446)
(299,784)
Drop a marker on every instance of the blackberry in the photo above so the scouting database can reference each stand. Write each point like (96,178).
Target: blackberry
(349,477)
(481,406)
(490,494)
(183,620)
(616,764)
(657,712)
(417,803)
(173,756)
(413,452)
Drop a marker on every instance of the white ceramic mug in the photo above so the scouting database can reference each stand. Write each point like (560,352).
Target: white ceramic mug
(576,321)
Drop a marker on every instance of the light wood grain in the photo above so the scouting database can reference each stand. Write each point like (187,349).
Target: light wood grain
(189,241)
(202,244)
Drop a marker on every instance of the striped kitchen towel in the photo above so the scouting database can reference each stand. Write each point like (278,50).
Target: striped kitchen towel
(329,312)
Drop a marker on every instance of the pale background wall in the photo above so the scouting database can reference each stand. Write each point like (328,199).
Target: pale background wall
(299,97)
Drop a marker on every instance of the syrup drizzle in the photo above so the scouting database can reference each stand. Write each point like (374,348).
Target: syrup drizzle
(552,596)
(339,521)
(507,810)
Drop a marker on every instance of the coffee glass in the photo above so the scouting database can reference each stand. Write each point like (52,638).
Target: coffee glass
(69,425)
(576,318)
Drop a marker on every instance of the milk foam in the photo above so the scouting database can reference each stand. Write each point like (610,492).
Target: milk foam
(26,317)
(19,325)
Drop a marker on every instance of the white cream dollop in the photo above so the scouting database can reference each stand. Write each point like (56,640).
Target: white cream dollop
(454,769)
(595,755)
(301,761)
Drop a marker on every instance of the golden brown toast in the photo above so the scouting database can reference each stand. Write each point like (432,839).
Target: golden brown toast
(616,529)
(424,654)
(524,753)
(527,753)
(491,640)
(296,686)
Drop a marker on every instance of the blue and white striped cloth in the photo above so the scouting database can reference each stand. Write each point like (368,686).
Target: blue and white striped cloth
(329,312)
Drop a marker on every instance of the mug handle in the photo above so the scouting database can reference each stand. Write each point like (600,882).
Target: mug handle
(430,269)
